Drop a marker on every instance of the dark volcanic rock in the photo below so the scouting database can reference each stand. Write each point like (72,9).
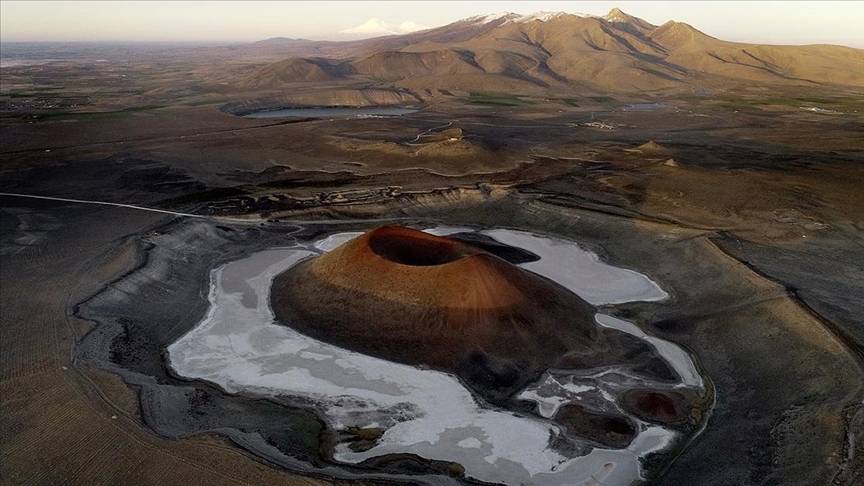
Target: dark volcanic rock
(665,407)
(609,430)
(486,243)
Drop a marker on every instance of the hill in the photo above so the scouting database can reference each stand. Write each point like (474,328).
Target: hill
(296,70)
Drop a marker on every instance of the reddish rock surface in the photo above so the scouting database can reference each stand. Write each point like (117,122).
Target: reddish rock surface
(665,407)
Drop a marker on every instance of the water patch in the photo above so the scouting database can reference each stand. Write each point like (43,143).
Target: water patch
(643,106)
(671,352)
(334,112)
(581,271)
(824,111)
(335,240)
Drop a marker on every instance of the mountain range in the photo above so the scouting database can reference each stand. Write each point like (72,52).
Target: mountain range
(555,51)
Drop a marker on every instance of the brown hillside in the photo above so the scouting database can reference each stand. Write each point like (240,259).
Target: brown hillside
(400,65)
(296,70)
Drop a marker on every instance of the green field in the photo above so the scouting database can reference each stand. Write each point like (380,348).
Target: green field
(497,99)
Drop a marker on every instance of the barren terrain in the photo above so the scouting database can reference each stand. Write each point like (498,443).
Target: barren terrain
(744,202)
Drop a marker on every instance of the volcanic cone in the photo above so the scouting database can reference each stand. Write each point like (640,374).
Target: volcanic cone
(416,298)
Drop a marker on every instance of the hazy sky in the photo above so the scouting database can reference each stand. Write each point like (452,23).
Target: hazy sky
(786,22)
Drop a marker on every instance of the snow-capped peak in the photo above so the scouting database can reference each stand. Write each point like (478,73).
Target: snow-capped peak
(485,19)
(510,17)
(376,26)
(546,16)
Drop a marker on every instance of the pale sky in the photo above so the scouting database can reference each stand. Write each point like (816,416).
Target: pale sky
(789,22)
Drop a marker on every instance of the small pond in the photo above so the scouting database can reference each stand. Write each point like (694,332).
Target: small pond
(333,112)
(643,106)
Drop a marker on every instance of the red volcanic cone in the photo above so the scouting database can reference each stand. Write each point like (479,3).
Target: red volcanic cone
(408,296)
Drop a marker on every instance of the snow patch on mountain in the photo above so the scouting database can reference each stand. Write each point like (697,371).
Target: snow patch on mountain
(547,16)
(510,17)
(376,26)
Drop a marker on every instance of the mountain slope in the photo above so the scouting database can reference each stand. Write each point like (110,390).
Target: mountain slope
(810,64)
(297,70)
(559,51)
